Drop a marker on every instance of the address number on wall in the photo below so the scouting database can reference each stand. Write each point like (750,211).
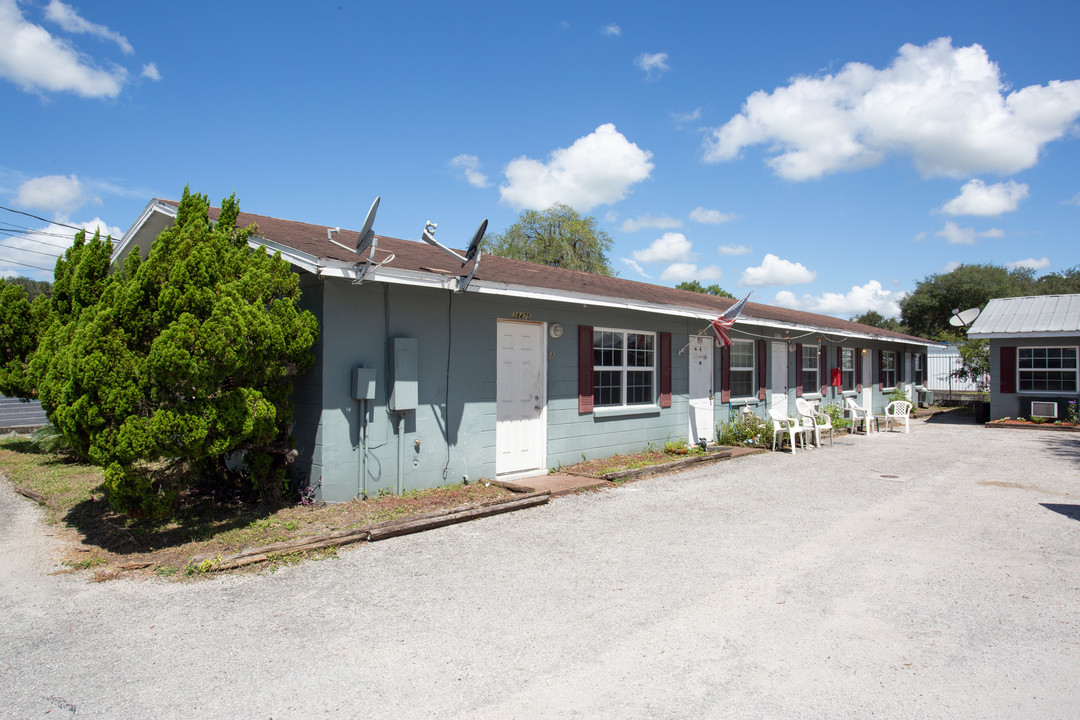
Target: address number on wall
(522,316)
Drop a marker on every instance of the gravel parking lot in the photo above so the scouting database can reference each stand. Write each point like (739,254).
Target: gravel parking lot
(925,575)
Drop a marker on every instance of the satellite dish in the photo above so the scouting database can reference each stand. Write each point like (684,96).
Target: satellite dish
(965,318)
(367,235)
(473,254)
(474,246)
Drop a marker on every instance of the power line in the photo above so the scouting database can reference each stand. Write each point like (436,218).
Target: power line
(25,236)
(36,252)
(16,262)
(38,217)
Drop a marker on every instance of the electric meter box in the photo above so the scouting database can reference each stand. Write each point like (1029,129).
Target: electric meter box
(404,377)
(363,383)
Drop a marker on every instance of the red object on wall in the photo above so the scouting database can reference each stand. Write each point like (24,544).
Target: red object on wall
(836,381)
(585,369)
(665,369)
(1007,374)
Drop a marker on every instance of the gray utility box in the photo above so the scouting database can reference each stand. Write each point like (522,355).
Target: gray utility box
(363,383)
(404,374)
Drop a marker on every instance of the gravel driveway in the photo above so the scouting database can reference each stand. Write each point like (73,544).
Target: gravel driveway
(925,575)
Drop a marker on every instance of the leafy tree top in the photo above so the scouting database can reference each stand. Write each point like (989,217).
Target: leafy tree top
(926,310)
(695,286)
(558,237)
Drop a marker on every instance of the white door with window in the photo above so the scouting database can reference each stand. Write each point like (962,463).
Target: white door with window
(868,382)
(701,389)
(778,399)
(520,428)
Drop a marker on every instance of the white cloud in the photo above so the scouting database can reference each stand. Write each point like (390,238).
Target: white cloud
(654,64)
(1032,263)
(1074,200)
(952,265)
(678,272)
(943,106)
(647,221)
(54,193)
(150,71)
(635,267)
(67,18)
(858,300)
(670,247)
(710,217)
(956,235)
(921,235)
(470,170)
(611,29)
(35,60)
(686,117)
(978,198)
(734,250)
(775,271)
(597,169)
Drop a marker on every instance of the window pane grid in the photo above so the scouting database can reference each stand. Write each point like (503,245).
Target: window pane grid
(888,368)
(847,368)
(742,368)
(1047,369)
(810,368)
(624,370)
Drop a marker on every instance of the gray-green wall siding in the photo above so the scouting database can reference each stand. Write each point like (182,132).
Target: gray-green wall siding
(451,434)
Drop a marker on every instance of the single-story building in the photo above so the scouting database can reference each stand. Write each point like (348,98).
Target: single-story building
(1033,354)
(426,376)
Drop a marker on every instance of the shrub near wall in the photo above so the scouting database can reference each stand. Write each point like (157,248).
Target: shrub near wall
(186,358)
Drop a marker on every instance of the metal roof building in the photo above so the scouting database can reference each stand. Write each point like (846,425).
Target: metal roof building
(1021,317)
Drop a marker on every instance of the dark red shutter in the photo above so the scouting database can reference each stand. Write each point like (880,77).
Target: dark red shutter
(725,373)
(1007,375)
(858,369)
(761,369)
(584,369)
(798,370)
(900,374)
(880,368)
(823,377)
(838,379)
(665,369)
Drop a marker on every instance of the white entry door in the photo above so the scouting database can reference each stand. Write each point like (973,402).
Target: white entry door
(520,432)
(779,389)
(701,389)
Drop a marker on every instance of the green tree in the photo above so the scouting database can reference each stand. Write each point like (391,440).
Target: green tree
(695,286)
(1066,282)
(186,358)
(926,311)
(558,237)
(21,324)
(34,288)
(875,319)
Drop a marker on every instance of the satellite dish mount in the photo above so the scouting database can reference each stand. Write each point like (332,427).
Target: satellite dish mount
(473,254)
(365,242)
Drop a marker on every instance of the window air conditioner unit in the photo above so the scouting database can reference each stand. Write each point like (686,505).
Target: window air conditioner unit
(1044,409)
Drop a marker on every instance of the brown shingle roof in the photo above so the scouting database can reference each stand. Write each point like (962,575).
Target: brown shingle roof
(421,257)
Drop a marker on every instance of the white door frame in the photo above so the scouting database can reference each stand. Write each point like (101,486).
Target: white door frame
(778,364)
(701,409)
(534,425)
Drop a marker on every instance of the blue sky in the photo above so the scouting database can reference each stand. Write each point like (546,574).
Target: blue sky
(825,156)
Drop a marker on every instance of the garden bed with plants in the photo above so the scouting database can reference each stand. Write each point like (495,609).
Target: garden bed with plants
(1029,424)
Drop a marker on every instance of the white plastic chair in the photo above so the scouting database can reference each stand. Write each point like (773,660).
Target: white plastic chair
(898,411)
(858,414)
(813,420)
(782,425)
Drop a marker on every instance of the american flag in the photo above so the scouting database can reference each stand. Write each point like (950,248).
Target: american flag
(723,323)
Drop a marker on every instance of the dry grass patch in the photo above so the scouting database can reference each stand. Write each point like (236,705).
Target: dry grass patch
(107,543)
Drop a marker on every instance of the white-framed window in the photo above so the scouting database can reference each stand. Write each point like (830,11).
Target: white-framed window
(811,361)
(888,368)
(624,368)
(919,364)
(847,368)
(742,369)
(1046,369)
